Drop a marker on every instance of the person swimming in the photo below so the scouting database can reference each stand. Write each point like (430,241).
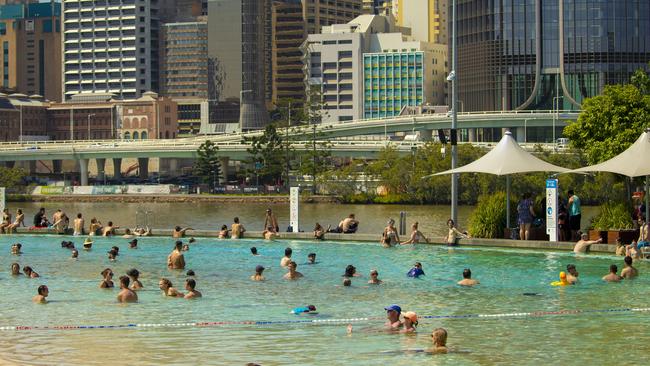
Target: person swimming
(467,278)
(168,288)
(112,255)
(176,259)
(374,278)
(311,258)
(351,271)
(284,262)
(572,274)
(75,254)
(410,322)
(309,309)
(134,276)
(258,274)
(439,338)
(29,272)
(107,279)
(416,271)
(192,292)
(254,251)
(41,297)
(347,282)
(133,244)
(292,274)
(88,244)
(392,314)
(15,269)
(223,233)
(126,293)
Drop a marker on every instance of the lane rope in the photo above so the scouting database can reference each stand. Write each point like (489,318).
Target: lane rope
(314,321)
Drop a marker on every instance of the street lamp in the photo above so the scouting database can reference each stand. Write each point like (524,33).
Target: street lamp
(89,115)
(21,124)
(454,114)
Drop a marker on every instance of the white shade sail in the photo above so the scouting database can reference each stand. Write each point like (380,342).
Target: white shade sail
(633,162)
(506,158)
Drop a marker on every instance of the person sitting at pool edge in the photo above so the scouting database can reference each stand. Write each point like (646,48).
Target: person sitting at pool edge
(126,294)
(237,230)
(416,271)
(269,233)
(190,286)
(572,274)
(349,225)
(410,322)
(467,278)
(293,274)
(319,232)
(168,288)
(392,314)
(223,233)
(629,272)
(179,233)
(439,338)
(583,245)
(43,293)
(258,274)
(612,276)
(176,260)
(284,262)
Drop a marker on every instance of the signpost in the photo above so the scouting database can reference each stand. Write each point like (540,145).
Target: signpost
(2,199)
(551,209)
(294,201)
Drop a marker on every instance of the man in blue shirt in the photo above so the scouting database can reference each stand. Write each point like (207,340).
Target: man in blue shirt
(416,271)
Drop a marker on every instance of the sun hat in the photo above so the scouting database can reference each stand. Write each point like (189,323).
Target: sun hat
(411,315)
(88,241)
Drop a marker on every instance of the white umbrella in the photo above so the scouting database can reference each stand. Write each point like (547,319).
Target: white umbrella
(506,158)
(633,162)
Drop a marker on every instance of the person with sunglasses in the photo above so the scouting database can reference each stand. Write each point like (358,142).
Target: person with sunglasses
(107,279)
(392,314)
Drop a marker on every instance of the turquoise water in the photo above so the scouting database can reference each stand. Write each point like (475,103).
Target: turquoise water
(223,269)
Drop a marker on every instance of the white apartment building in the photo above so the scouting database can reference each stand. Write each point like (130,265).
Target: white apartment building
(110,46)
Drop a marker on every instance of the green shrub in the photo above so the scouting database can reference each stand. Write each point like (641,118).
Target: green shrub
(612,217)
(489,217)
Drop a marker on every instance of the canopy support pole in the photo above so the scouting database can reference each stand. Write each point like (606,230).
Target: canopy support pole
(647,198)
(508,201)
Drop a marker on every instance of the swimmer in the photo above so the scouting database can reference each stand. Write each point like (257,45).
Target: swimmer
(237,230)
(109,230)
(75,254)
(180,233)
(612,276)
(632,251)
(15,269)
(271,221)
(43,293)
(453,235)
(563,280)
(258,274)
(133,244)
(311,258)
(309,309)
(167,288)
(467,278)
(254,251)
(223,233)
(292,274)
(392,314)
(269,233)
(287,257)
(116,250)
(583,245)
(185,248)
(351,271)
(620,248)
(88,244)
(572,274)
(416,271)
(439,338)
(191,241)
(127,234)
(112,255)
(416,235)
(107,279)
(192,293)
(176,260)
(347,282)
(374,278)
(410,322)
(78,225)
(190,273)
(629,272)
(134,276)
(126,294)
(29,272)
(16,249)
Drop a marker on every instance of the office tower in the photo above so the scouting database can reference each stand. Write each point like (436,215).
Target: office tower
(376,7)
(319,13)
(185,60)
(547,54)
(30,37)
(427,19)
(110,46)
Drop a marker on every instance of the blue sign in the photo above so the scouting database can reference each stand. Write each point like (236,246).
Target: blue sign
(549,211)
(551,183)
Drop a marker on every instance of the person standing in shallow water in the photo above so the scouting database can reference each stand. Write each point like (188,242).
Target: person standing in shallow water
(126,294)
(176,260)
(237,230)
(41,297)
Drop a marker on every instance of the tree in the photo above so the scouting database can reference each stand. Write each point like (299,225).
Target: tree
(318,151)
(267,155)
(11,177)
(609,123)
(207,166)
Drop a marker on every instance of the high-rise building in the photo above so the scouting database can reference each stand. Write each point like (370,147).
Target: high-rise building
(427,19)
(367,70)
(184,58)
(110,46)
(30,38)
(547,54)
(319,13)
(376,6)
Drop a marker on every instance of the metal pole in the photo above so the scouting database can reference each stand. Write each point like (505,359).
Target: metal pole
(21,124)
(71,123)
(287,184)
(647,198)
(508,201)
(454,114)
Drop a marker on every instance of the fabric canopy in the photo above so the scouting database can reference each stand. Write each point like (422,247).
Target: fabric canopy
(633,162)
(506,158)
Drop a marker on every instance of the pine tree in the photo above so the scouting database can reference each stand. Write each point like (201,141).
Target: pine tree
(207,166)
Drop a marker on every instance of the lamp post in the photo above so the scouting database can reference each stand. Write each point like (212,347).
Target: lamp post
(89,115)
(21,124)
(288,183)
(454,114)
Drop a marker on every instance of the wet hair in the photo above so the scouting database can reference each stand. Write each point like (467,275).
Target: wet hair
(191,283)
(125,281)
(292,263)
(42,289)
(93,220)
(116,249)
(166,282)
(192,240)
(177,228)
(467,273)
(318,227)
(570,267)
(105,272)
(79,215)
(133,273)
(190,273)
(236,220)
(351,216)
(15,265)
(347,282)
(178,245)
(112,253)
(224,227)
(374,271)
(20,211)
(439,335)
(350,270)
(311,255)
(42,209)
(28,269)
(311,307)
(613,268)
(287,252)
(254,250)
(628,260)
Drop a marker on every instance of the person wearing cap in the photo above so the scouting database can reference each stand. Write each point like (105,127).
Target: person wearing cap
(126,294)
(392,314)
(176,260)
(179,233)
(271,222)
(133,244)
(410,322)
(192,293)
(292,274)
(134,276)
(41,298)
(467,278)
(88,243)
(416,271)
(374,278)
(258,274)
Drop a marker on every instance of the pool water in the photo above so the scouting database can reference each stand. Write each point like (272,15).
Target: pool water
(223,268)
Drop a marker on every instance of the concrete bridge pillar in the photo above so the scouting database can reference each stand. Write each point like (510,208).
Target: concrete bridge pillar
(471,134)
(520,132)
(143,166)
(117,168)
(83,171)
(101,170)
(173,167)
(10,164)
(57,166)
(223,179)
(426,135)
(32,166)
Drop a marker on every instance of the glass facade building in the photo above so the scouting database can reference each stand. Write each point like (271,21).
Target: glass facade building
(392,81)
(546,55)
